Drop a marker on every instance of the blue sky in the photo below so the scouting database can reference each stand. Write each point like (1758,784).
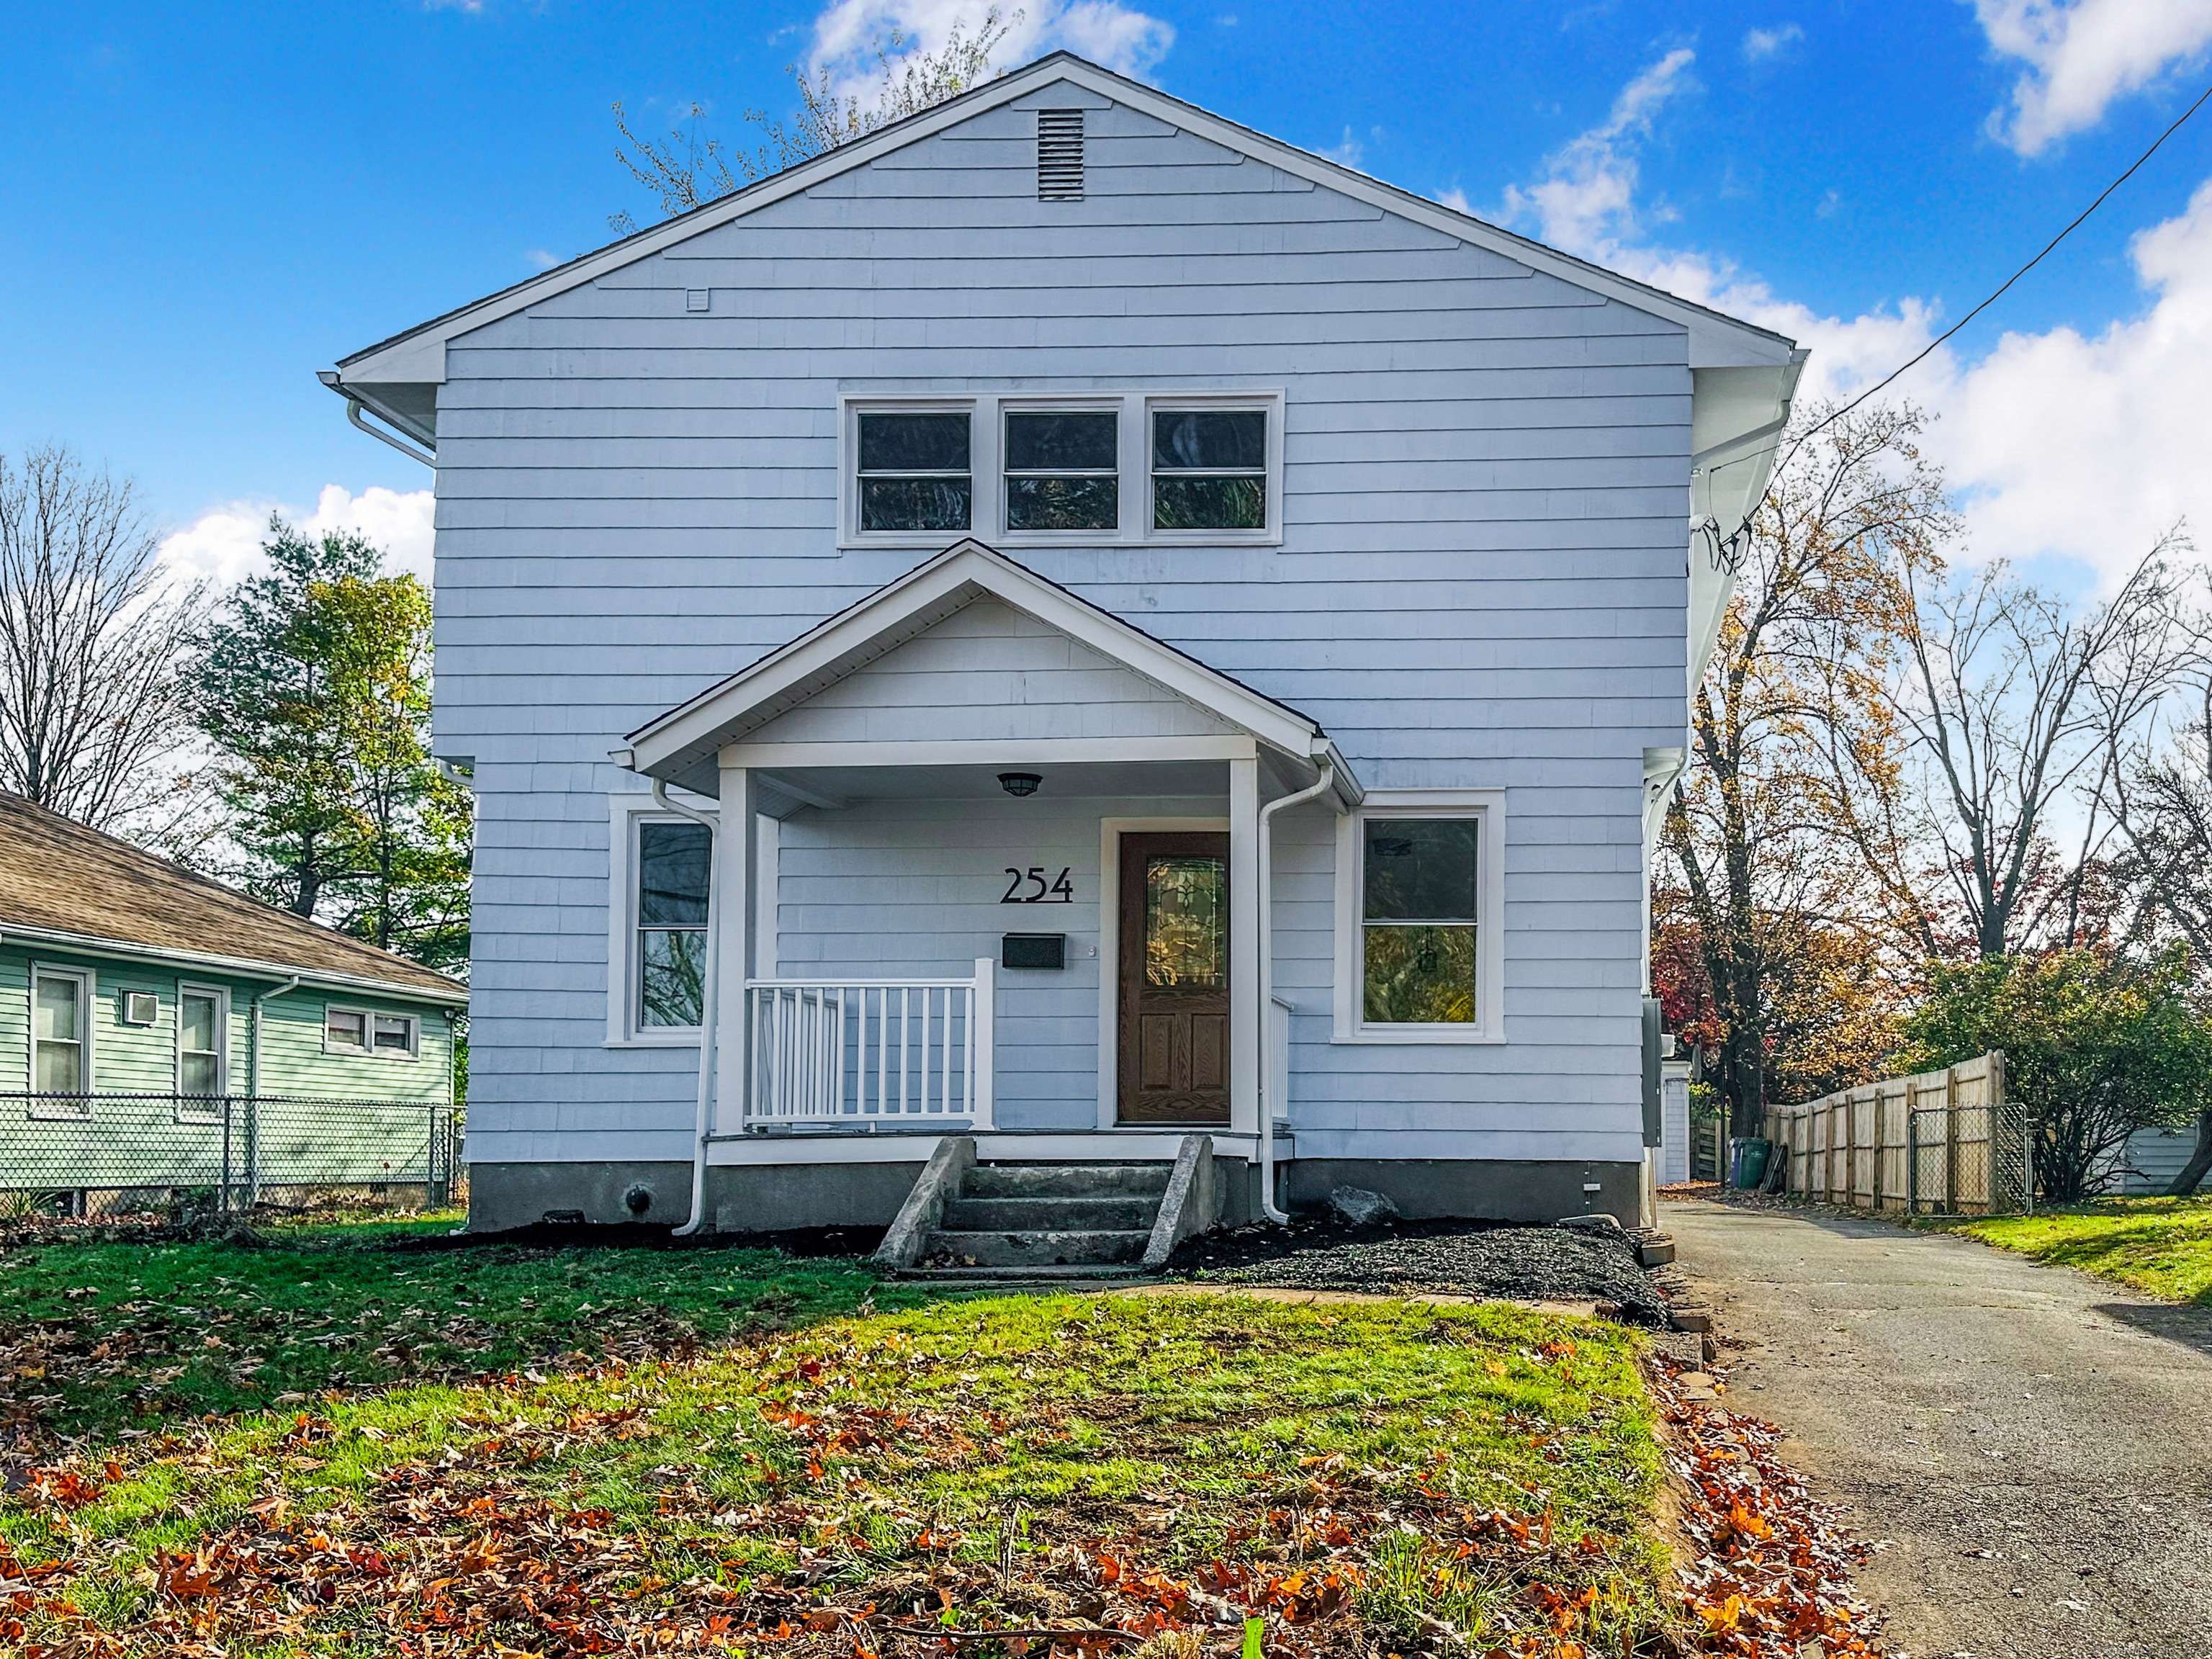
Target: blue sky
(220,200)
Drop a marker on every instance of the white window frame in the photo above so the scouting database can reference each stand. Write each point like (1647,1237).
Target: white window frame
(221,995)
(87,990)
(986,431)
(1487,808)
(370,1016)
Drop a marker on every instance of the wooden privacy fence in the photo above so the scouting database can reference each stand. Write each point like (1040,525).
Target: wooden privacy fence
(1941,1143)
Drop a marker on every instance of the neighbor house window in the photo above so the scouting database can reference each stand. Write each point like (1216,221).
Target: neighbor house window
(1418,922)
(199,1042)
(365,1031)
(672,864)
(1419,891)
(1062,469)
(1209,469)
(916,471)
(60,1044)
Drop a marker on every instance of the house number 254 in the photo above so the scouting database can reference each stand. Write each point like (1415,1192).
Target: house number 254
(1059,892)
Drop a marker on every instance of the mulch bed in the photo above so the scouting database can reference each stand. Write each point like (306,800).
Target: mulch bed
(1452,1258)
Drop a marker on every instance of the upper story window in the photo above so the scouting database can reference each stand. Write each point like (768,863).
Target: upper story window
(1200,468)
(1209,469)
(1062,469)
(672,864)
(915,471)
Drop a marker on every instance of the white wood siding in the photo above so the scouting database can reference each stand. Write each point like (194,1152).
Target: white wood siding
(1481,583)
(988,672)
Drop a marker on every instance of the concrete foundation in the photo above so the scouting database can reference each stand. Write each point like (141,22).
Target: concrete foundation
(779,1198)
(1476,1189)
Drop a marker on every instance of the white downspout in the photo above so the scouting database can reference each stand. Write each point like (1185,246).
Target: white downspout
(253,1082)
(706,1011)
(1267,850)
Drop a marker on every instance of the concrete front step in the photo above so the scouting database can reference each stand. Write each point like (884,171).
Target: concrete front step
(1064,1180)
(1068,1215)
(1034,1250)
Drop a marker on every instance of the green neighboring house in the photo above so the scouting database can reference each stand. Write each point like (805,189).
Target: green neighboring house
(160,1031)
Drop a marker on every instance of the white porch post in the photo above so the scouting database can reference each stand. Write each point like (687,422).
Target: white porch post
(1244,1011)
(737,903)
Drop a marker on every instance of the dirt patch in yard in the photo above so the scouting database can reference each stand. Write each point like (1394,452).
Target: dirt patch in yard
(1454,1258)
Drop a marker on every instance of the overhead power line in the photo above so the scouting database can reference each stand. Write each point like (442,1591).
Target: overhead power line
(1927,351)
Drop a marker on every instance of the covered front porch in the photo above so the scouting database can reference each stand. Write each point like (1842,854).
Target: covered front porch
(1006,875)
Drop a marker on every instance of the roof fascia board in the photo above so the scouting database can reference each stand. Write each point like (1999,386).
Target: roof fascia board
(456,996)
(1716,340)
(935,585)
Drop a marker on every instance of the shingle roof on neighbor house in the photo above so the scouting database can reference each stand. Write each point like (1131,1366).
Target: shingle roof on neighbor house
(67,884)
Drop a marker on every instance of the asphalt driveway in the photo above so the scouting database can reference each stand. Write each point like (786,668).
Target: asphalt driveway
(2033,1445)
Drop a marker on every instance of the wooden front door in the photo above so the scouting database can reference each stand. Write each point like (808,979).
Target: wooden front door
(1174,1061)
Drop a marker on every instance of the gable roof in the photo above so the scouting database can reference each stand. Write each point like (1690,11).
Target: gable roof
(63,884)
(417,355)
(680,746)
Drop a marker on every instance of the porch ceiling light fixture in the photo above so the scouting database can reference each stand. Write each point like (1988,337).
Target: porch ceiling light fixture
(1019,783)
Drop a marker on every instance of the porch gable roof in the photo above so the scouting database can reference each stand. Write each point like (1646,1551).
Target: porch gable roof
(681,746)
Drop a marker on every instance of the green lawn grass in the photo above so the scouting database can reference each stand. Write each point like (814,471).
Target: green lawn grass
(96,1338)
(2161,1245)
(1367,1478)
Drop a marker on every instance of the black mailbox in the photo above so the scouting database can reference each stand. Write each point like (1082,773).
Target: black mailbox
(1033,951)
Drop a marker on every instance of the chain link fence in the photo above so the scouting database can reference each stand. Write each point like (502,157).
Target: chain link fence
(108,1153)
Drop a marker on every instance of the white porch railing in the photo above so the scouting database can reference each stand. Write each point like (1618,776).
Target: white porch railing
(908,1053)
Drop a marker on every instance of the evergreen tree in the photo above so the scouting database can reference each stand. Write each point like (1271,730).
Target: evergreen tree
(313,685)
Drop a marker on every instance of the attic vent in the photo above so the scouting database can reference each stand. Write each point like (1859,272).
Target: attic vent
(1060,155)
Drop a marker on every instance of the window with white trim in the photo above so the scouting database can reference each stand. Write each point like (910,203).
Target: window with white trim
(200,1046)
(352,1030)
(1121,468)
(1209,469)
(673,862)
(916,470)
(61,1032)
(1063,469)
(1419,888)
(1419,916)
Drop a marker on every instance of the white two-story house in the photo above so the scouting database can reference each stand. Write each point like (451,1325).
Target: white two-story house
(1060,627)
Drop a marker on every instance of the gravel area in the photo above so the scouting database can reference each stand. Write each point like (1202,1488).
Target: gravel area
(1536,1264)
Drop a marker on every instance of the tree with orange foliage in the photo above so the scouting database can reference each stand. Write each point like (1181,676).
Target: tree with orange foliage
(1798,767)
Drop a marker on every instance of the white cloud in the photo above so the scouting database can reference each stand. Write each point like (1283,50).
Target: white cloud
(1348,153)
(1585,202)
(1106,32)
(224,543)
(2083,54)
(2083,447)
(543,260)
(1759,44)
(2091,446)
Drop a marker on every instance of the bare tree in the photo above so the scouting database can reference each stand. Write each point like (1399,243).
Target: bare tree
(1773,896)
(2016,703)
(692,168)
(92,633)
(2159,795)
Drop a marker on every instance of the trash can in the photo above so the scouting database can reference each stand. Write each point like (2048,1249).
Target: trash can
(1747,1158)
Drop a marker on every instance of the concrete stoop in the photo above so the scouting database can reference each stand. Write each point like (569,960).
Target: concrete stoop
(1047,1223)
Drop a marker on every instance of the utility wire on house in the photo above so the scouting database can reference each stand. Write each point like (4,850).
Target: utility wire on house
(1729,549)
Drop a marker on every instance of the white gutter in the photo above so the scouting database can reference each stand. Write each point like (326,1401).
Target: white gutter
(1267,1205)
(705,1124)
(94,944)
